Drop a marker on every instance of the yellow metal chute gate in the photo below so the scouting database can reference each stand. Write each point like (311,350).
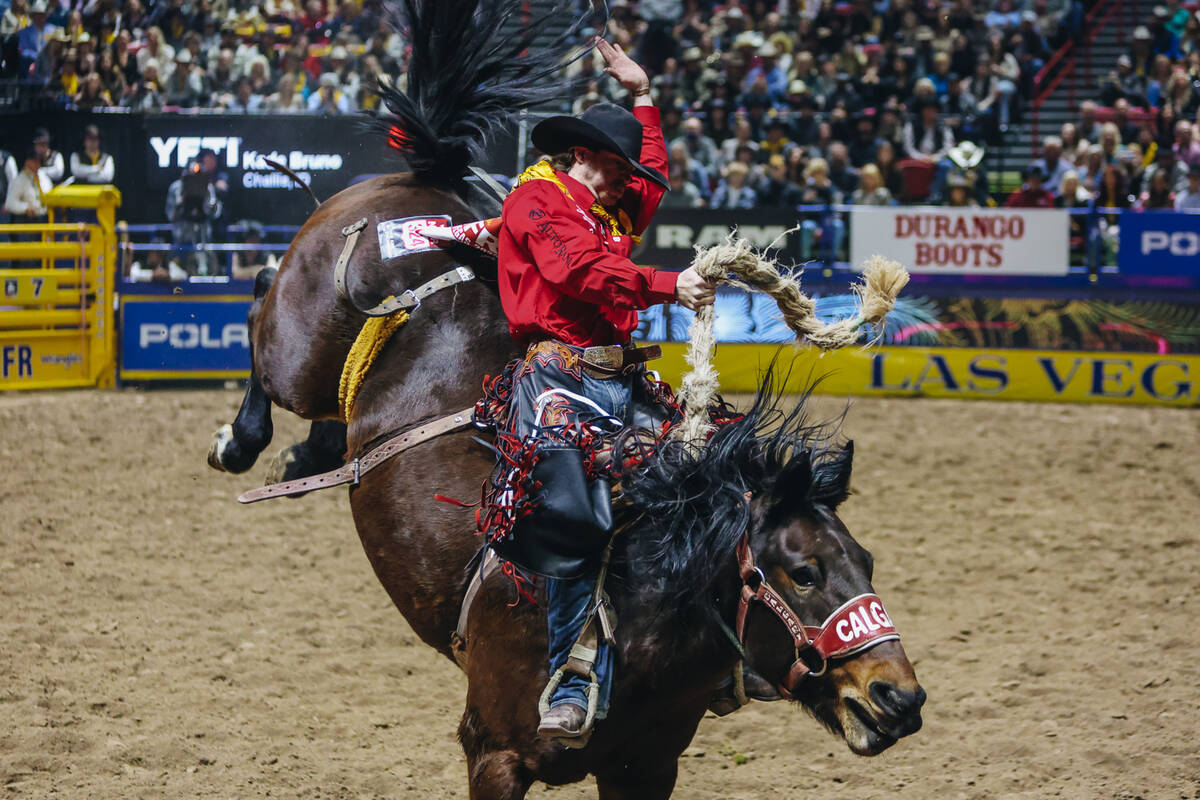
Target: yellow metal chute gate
(56,295)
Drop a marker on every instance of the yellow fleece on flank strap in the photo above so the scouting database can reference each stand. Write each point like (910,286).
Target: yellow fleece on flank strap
(366,348)
(542,171)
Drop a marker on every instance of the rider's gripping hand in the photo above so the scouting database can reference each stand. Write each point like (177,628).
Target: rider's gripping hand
(694,292)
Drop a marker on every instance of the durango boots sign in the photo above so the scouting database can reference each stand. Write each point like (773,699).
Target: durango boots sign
(963,241)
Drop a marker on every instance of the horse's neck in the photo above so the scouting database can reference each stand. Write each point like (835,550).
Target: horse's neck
(435,364)
(688,645)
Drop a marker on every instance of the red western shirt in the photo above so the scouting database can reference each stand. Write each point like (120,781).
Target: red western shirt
(563,273)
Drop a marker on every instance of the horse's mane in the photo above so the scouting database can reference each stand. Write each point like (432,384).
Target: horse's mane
(691,501)
(466,78)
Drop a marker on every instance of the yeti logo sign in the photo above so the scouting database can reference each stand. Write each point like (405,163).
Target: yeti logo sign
(1177,243)
(177,151)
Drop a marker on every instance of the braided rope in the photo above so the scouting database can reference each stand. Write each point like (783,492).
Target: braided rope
(881,282)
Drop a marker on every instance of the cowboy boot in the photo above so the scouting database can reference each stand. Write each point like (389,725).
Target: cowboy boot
(564,722)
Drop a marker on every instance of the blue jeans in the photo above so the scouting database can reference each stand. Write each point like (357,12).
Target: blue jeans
(567,600)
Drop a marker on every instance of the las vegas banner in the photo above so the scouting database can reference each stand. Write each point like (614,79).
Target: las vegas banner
(963,241)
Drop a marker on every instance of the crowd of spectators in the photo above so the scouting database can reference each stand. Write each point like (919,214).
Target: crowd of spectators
(779,104)
(276,56)
(27,175)
(1137,144)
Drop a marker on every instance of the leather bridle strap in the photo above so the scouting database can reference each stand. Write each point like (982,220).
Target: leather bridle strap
(857,625)
(372,458)
(755,589)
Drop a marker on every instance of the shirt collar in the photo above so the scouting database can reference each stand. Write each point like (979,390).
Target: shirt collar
(580,193)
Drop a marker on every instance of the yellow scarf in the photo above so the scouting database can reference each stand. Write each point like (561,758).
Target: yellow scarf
(542,171)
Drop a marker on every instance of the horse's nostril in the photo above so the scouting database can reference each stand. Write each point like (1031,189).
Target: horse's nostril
(896,702)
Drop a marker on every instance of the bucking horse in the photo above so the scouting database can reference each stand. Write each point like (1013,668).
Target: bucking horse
(729,553)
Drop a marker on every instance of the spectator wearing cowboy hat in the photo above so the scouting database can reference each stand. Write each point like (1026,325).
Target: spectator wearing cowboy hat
(50,160)
(90,164)
(926,137)
(768,67)
(1033,194)
(26,196)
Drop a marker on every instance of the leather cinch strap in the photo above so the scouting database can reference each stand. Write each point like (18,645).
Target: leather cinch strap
(411,298)
(406,300)
(351,232)
(352,472)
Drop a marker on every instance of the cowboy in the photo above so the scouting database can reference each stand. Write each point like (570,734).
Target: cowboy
(571,294)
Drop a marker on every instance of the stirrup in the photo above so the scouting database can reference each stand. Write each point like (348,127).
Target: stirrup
(593,699)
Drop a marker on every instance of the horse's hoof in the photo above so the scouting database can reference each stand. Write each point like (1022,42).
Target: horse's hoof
(221,440)
(281,468)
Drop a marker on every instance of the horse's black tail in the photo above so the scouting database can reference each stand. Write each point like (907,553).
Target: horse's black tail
(466,78)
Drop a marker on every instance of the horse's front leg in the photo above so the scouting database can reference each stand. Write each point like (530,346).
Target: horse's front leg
(493,774)
(639,781)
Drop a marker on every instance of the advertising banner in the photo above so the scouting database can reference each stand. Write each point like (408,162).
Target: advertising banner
(318,149)
(1159,243)
(963,241)
(960,372)
(43,359)
(165,338)
(669,240)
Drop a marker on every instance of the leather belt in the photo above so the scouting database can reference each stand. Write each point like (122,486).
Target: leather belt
(601,361)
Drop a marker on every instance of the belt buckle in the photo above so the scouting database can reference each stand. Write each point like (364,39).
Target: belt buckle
(612,358)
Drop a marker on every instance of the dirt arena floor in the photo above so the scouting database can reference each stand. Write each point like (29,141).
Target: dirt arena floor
(159,641)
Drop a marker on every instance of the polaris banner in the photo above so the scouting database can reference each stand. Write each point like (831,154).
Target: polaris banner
(1159,243)
(164,338)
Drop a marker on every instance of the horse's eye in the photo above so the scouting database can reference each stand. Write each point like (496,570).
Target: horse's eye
(804,576)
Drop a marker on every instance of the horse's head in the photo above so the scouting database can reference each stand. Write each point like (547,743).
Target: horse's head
(870,696)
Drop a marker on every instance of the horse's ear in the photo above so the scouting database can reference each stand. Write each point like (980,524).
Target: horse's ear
(794,481)
(831,478)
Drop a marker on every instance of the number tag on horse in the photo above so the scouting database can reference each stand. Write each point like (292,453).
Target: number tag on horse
(859,624)
(402,237)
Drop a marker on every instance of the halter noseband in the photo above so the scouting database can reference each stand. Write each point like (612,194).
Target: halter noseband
(857,625)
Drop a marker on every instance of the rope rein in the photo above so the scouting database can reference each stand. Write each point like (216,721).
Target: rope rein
(736,263)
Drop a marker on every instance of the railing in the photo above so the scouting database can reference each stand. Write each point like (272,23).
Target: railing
(1047,79)
(58,281)
(827,228)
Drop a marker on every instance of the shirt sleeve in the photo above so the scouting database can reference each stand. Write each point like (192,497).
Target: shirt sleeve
(569,256)
(642,199)
(15,203)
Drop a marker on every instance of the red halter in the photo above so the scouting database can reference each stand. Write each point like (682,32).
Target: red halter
(857,625)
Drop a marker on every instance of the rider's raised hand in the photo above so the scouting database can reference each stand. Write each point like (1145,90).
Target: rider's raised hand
(694,292)
(624,69)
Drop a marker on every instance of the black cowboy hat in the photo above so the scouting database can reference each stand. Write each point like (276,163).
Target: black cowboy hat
(604,126)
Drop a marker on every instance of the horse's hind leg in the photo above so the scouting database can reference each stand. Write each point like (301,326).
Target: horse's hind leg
(236,447)
(323,450)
